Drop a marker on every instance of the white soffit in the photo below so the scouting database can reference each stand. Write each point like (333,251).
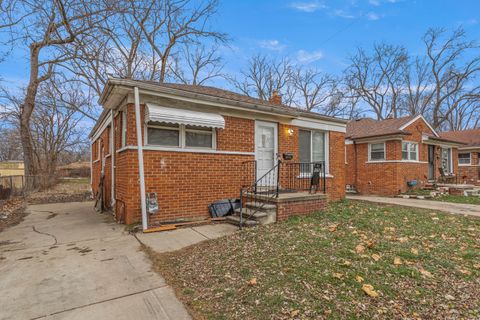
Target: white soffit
(319,125)
(156,113)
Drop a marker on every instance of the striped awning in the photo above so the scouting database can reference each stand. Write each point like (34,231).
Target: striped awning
(156,113)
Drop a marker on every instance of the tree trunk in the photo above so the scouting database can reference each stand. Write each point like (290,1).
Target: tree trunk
(26,110)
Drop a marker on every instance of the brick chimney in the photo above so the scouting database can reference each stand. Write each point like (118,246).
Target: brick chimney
(275,98)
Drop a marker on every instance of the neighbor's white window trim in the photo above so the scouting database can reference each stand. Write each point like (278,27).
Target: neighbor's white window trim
(409,152)
(469,159)
(370,151)
(182,137)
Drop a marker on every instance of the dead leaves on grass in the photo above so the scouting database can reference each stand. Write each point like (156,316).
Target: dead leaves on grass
(369,290)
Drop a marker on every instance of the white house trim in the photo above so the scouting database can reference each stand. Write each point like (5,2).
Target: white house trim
(318,125)
(174,149)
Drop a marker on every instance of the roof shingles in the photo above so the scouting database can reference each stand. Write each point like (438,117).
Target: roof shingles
(364,128)
(469,137)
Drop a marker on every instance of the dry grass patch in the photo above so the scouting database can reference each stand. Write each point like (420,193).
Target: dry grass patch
(356,260)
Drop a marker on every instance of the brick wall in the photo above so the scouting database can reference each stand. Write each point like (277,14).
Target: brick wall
(336,185)
(299,208)
(102,143)
(186,182)
(390,178)
(470,173)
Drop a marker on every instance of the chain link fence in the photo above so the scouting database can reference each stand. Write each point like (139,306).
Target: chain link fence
(16,186)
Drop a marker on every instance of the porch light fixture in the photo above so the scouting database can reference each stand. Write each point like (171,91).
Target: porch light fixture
(290,132)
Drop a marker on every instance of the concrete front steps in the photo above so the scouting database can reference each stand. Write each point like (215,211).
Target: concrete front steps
(255,213)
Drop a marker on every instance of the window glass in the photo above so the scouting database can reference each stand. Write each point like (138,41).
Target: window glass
(464,158)
(377,151)
(304,137)
(124,128)
(413,151)
(163,137)
(198,139)
(318,146)
(409,151)
(404,151)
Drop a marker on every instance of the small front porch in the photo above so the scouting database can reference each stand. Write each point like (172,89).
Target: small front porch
(287,189)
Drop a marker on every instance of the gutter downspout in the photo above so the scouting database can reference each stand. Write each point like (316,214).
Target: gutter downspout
(141,172)
(112,153)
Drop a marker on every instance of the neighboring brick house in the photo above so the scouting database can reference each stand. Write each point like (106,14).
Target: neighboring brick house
(196,144)
(468,154)
(383,157)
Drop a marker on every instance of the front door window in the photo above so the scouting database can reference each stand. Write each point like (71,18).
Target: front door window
(265,148)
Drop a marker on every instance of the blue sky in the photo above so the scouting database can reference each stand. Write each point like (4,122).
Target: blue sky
(324,33)
(321,34)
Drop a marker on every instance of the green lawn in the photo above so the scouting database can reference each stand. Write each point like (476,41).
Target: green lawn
(458,199)
(421,264)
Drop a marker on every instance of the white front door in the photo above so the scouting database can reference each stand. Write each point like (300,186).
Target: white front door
(266,145)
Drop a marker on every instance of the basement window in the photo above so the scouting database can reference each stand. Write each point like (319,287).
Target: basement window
(464,158)
(409,151)
(376,151)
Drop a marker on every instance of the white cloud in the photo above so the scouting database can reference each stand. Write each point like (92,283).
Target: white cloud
(373,16)
(271,45)
(308,57)
(343,14)
(375,3)
(307,6)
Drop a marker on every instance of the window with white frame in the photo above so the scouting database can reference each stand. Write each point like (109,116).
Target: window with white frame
(124,128)
(311,147)
(376,151)
(409,151)
(464,158)
(180,136)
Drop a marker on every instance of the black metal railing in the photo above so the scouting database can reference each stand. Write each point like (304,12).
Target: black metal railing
(283,177)
(267,186)
(304,176)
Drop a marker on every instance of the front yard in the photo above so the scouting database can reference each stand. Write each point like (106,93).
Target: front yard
(458,199)
(356,260)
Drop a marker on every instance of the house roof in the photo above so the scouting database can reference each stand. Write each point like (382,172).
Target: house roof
(214,92)
(471,138)
(208,94)
(366,127)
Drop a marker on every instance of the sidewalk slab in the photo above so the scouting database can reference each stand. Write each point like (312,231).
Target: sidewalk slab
(173,240)
(454,208)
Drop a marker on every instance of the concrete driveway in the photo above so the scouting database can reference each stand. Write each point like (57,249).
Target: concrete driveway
(455,208)
(65,261)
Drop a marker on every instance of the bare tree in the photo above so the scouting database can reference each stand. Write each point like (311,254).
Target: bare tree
(378,79)
(263,76)
(196,66)
(56,126)
(454,67)
(10,147)
(46,28)
(170,23)
(315,91)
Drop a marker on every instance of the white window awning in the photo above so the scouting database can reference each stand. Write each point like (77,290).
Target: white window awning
(156,113)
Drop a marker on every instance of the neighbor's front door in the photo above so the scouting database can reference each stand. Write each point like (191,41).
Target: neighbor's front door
(431,162)
(266,145)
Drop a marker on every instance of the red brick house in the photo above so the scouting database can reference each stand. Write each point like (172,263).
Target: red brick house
(201,144)
(388,157)
(468,154)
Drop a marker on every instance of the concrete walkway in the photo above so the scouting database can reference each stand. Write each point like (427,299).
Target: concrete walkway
(455,208)
(65,261)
